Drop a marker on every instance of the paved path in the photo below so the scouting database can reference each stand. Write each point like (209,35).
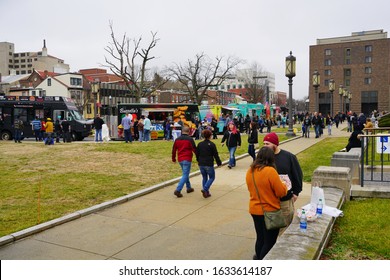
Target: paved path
(160,226)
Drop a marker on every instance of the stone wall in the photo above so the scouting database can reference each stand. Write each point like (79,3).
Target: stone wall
(295,245)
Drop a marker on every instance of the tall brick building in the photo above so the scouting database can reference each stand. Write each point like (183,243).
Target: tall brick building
(360,65)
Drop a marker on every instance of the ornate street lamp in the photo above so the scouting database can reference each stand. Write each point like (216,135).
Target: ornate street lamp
(341,90)
(290,74)
(349,97)
(332,87)
(345,94)
(316,84)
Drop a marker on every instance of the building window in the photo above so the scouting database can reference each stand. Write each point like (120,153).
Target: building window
(347,72)
(347,61)
(348,52)
(368,59)
(347,82)
(89,108)
(328,62)
(49,82)
(328,52)
(16,61)
(367,70)
(367,81)
(326,83)
(328,72)
(75,81)
(368,48)
(222,87)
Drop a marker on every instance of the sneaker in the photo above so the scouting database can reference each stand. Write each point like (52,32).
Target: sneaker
(190,190)
(177,193)
(229,167)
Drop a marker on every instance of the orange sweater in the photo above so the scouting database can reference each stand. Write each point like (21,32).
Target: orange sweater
(270,187)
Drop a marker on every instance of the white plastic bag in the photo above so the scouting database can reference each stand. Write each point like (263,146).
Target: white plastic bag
(317,193)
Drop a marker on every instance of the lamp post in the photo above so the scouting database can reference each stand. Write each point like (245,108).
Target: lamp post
(345,94)
(290,74)
(109,115)
(316,84)
(341,89)
(332,87)
(349,97)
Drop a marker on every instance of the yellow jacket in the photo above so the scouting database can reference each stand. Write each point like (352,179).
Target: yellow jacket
(49,126)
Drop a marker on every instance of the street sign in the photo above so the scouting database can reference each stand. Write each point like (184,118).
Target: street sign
(382,145)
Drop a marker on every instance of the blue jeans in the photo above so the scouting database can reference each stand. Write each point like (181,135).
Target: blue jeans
(98,135)
(185,177)
(232,159)
(317,130)
(208,176)
(128,136)
(146,135)
(18,135)
(37,133)
(141,135)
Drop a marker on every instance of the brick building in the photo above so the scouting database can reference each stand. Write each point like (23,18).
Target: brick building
(360,65)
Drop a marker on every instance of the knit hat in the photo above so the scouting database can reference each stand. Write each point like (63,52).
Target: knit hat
(272,138)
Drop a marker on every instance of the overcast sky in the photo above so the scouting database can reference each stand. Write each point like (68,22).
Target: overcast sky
(262,31)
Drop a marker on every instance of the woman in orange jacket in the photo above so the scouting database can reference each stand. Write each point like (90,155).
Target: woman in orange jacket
(271,189)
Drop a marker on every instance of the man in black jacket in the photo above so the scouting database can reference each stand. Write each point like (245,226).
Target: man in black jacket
(206,152)
(98,124)
(286,164)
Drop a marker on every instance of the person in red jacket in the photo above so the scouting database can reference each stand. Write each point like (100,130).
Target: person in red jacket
(184,147)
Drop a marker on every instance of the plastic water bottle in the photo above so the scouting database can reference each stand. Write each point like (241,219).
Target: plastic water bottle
(303,222)
(320,205)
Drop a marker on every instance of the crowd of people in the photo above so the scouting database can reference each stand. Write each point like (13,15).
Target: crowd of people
(274,179)
(44,129)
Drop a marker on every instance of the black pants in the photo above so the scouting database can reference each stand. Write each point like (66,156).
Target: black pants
(265,239)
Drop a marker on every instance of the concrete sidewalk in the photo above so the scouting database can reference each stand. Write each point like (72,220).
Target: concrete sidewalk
(158,225)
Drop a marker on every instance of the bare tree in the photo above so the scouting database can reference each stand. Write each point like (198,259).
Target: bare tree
(123,59)
(201,74)
(255,91)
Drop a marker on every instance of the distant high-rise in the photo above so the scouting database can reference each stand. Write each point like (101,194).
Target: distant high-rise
(25,62)
(360,66)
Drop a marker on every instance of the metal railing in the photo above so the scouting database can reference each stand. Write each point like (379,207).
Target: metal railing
(375,156)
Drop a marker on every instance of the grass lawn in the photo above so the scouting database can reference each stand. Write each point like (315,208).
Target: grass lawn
(318,155)
(363,233)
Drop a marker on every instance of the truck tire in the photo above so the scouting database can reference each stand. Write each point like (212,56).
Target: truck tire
(76,136)
(6,135)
